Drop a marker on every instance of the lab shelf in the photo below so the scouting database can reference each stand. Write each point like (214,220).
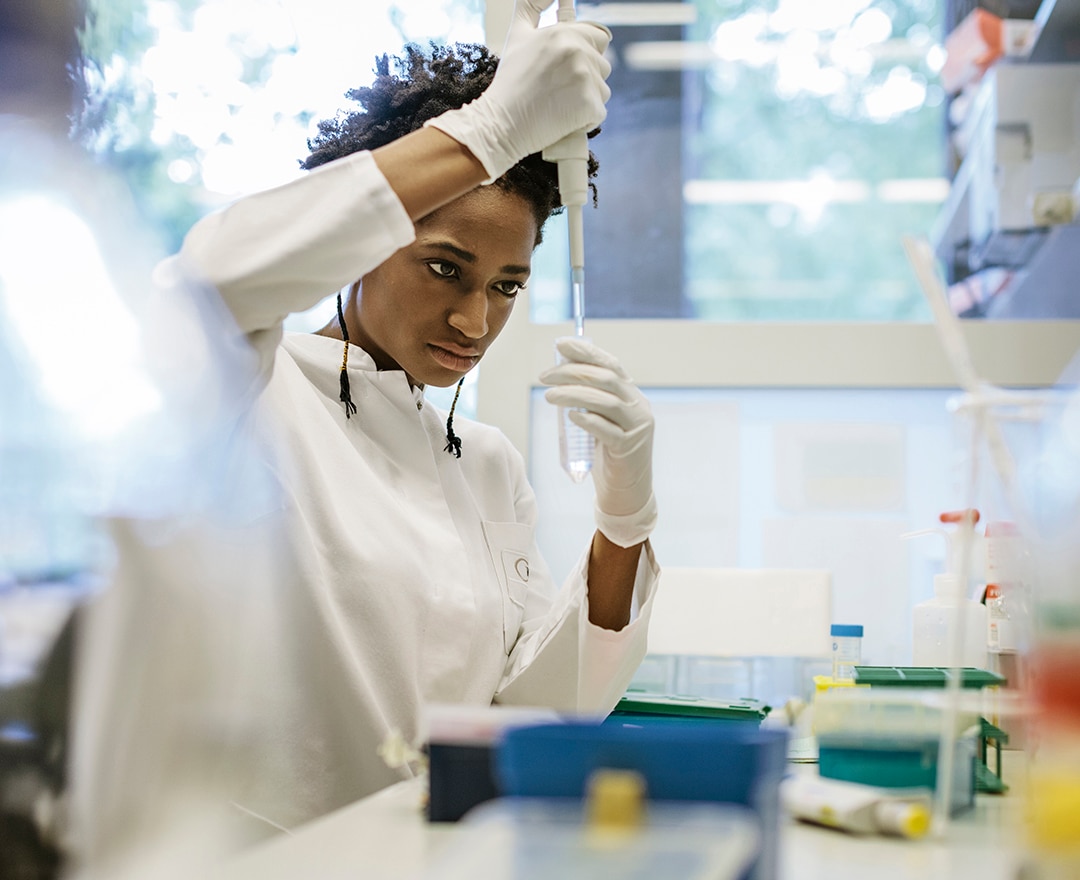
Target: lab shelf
(960,235)
(1059,26)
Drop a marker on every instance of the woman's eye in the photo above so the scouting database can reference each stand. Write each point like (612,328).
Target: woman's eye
(442,269)
(509,288)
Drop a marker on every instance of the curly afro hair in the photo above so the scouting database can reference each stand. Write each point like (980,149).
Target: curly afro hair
(424,85)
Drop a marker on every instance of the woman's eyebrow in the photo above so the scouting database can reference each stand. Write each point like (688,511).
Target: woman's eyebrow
(469,257)
(460,253)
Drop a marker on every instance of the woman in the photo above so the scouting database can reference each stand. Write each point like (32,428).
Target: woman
(413,533)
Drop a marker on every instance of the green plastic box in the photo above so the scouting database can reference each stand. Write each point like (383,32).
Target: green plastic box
(649,706)
(924,676)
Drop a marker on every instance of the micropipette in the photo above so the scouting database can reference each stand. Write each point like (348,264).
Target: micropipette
(571,153)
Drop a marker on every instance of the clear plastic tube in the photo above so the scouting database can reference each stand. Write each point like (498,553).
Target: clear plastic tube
(576,445)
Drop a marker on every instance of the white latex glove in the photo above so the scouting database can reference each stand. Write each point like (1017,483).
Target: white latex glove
(549,83)
(618,415)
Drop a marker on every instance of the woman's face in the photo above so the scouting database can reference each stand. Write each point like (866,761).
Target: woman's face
(435,306)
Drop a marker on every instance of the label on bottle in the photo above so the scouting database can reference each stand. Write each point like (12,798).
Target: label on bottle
(999,626)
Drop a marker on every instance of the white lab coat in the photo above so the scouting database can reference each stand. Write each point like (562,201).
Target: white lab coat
(419,576)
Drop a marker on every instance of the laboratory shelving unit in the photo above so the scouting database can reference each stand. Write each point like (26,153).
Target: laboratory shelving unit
(965,235)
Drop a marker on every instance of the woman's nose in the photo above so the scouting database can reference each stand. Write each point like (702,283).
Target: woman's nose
(469,314)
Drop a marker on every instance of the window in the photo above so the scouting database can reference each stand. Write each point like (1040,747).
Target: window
(760,161)
(192,136)
(189,138)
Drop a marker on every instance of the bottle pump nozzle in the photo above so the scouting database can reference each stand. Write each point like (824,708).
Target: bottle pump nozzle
(946,583)
(950,555)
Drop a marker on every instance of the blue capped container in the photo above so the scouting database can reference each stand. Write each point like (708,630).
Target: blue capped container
(846,640)
(680,760)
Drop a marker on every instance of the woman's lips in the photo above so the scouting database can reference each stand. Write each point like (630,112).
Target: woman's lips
(454,359)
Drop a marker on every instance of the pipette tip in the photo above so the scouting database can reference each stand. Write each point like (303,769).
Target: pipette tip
(577,293)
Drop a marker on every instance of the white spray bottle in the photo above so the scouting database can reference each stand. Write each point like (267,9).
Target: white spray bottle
(947,616)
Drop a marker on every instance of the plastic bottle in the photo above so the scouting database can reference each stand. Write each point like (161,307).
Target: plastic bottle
(935,621)
(950,614)
(1003,586)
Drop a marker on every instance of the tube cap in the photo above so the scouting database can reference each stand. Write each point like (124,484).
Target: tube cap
(615,798)
(846,629)
(911,820)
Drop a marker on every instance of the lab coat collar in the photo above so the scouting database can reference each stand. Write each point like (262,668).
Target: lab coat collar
(315,349)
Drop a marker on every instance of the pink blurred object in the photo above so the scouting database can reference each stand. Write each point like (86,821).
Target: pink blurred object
(971,49)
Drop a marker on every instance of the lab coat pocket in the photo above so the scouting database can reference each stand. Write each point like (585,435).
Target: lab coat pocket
(508,545)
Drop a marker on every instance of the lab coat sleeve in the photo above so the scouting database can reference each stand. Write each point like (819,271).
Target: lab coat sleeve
(285,249)
(560,658)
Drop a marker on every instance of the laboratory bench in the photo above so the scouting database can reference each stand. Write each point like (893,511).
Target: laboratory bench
(387,837)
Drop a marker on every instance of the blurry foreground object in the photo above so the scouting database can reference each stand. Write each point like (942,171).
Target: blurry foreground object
(128,478)
(1026,447)
(612,831)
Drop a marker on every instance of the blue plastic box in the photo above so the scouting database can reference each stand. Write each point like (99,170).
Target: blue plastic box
(681,760)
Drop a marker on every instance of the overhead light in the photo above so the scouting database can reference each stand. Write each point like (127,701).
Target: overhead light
(682,55)
(769,192)
(668,55)
(925,189)
(639,14)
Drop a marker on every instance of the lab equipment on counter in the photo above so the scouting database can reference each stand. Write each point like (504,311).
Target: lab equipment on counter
(1004,584)
(846,649)
(460,743)
(890,739)
(679,759)
(970,680)
(935,618)
(858,808)
(611,832)
(950,616)
(1008,601)
(925,677)
(642,707)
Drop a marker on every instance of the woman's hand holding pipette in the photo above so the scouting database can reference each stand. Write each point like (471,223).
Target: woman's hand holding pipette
(550,82)
(605,402)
